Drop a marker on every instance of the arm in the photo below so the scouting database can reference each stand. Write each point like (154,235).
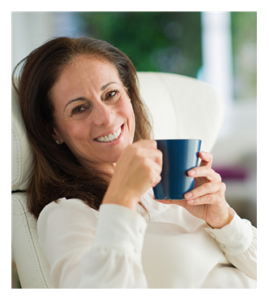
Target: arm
(238,240)
(89,252)
(236,237)
(84,252)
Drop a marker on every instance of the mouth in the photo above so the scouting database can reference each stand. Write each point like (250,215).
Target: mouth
(110,137)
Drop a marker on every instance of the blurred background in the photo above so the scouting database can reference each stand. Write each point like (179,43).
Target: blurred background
(219,48)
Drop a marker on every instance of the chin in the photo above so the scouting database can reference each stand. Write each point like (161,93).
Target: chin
(115,157)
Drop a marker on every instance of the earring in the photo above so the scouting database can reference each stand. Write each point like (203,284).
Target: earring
(57,142)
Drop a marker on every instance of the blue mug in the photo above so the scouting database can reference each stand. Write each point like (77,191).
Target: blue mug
(179,156)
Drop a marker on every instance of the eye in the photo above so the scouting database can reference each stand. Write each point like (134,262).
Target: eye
(78,110)
(111,94)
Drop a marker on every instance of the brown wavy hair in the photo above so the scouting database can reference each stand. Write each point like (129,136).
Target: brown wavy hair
(56,172)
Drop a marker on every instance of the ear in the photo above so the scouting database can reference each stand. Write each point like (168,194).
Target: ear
(55,134)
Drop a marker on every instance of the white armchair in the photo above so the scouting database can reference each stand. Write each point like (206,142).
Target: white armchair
(181,107)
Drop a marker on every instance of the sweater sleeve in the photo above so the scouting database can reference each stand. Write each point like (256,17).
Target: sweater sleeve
(238,240)
(87,249)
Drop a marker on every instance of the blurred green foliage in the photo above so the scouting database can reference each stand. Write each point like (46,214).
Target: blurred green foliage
(171,42)
(244,45)
(154,41)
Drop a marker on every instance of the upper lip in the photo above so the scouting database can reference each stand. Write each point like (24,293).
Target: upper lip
(107,132)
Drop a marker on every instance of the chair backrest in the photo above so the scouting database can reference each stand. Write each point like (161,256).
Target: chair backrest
(181,107)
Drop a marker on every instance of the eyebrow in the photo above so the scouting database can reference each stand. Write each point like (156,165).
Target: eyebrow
(106,85)
(83,98)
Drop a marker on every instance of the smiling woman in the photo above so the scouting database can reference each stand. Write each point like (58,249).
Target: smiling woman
(94,162)
(73,93)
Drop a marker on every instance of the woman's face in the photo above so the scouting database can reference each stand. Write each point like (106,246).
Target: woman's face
(93,113)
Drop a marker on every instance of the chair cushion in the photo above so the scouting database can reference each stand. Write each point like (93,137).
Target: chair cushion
(32,266)
(182,107)
(21,151)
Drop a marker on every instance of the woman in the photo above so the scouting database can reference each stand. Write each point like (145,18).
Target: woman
(91,186)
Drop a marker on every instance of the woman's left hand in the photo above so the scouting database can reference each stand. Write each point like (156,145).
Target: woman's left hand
(207,200)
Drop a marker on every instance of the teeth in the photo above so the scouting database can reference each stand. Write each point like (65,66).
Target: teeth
(110,137)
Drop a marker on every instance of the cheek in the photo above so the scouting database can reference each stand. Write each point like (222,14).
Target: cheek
(130,117)
(74,131)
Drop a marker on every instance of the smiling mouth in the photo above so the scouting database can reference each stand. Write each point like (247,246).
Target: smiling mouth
(110,137)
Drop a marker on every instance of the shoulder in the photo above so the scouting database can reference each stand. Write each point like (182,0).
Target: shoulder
(67,206)
(66,211)
(65,229)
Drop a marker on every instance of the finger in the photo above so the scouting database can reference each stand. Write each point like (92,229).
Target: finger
(145,149)
(182,202)
(204,171)
(153,170)
(205,189)
(154,154)
(152,144)
(211,199)
(155,167)
(155,179)
(206,158)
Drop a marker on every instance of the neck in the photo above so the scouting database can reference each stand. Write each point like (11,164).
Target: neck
(106,171)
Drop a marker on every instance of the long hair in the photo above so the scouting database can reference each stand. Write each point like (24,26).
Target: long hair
(56,172)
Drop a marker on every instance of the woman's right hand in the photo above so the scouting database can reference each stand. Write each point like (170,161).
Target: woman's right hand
(137,170)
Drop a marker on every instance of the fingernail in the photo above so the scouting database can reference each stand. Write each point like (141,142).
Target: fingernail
(205,156)
(191,172)
(188,195)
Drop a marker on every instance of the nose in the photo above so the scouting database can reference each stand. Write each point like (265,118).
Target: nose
(101,114)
